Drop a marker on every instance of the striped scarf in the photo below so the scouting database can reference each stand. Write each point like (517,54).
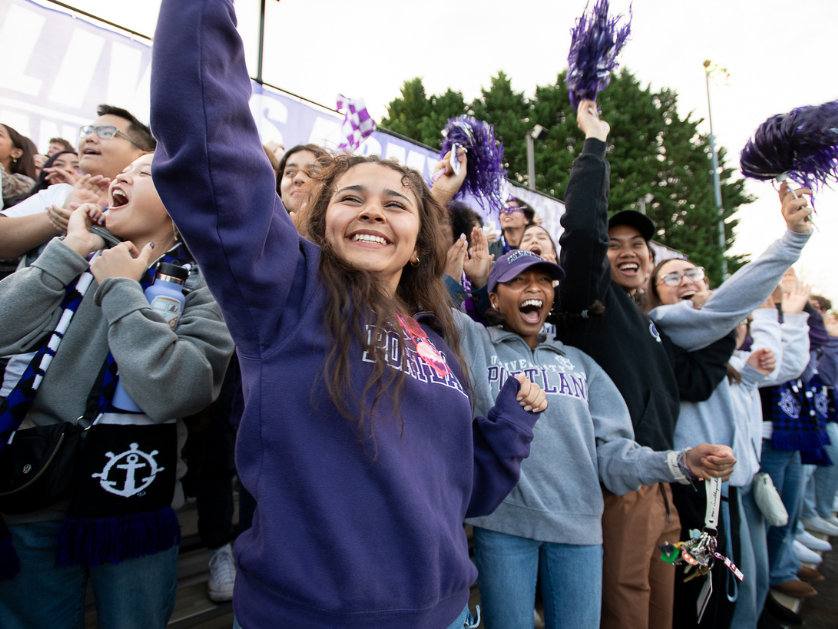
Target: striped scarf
(120,507)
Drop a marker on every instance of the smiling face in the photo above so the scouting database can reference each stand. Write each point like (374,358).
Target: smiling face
(682,291)
(107,157)
(629,256)
(525,301)
(537,240)
(298,170)
(372,221)
(8,151)
(136,212)
(67,161)
(512,216)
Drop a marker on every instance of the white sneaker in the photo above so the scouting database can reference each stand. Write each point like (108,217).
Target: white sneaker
(832,520)
(819,525)
(812,542)
(222,574)
(803,554)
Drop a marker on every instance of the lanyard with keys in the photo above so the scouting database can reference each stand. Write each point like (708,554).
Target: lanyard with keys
(699,553)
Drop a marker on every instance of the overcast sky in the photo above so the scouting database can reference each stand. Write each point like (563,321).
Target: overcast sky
(779,56)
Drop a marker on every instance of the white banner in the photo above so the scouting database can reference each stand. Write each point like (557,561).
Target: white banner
(60,66)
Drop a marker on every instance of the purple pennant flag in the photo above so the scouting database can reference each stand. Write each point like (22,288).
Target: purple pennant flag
(357,122)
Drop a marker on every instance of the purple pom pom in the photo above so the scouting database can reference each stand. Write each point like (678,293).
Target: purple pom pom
(486,176)
(801,145)
(595,43)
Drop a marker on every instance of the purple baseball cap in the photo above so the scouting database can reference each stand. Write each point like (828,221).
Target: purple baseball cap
(512,264)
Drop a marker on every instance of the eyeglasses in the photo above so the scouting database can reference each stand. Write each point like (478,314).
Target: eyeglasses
(696,274)
(511,209)
(106,132)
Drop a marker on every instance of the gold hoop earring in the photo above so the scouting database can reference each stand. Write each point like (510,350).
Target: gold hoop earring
(415,263)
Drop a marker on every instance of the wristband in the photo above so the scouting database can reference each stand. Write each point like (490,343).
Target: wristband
(676,467)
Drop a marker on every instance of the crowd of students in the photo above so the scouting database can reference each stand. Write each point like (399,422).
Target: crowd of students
(399,376)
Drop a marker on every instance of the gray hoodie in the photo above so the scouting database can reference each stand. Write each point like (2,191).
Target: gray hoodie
(584,436)
(734,300)
(171,374)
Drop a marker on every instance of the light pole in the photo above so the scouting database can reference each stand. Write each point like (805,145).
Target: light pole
(645,200)
(261,59)
(709,67)
(537,133)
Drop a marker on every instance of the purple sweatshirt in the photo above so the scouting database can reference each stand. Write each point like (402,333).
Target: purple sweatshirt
(339,539)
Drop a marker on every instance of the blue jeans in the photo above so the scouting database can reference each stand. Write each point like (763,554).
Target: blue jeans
(808,506)
(464,621)
(786,472)
(753,561)
(135,594)
(826,478)
(508,567)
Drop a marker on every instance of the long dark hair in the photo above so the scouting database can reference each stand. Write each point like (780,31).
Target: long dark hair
(25,164)
(319,152)
(42,183)
(358,298)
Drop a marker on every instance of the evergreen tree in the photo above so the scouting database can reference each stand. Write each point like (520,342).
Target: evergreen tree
(420,117)
(652,150)
(508,112)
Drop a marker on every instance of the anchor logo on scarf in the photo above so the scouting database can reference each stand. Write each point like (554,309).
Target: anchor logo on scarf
(121,503)
(131,466)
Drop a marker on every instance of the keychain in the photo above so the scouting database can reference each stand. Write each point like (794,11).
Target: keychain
(698,554)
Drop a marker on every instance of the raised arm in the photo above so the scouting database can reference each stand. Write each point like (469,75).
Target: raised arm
(213,176)
(749,287)
(584,243)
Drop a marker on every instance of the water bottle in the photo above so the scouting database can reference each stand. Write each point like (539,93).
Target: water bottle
(166,297)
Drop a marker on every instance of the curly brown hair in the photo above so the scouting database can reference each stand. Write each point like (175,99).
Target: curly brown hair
(420,289)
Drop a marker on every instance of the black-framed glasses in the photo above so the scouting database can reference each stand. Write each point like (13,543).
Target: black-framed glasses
(105,132)
(696,274)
